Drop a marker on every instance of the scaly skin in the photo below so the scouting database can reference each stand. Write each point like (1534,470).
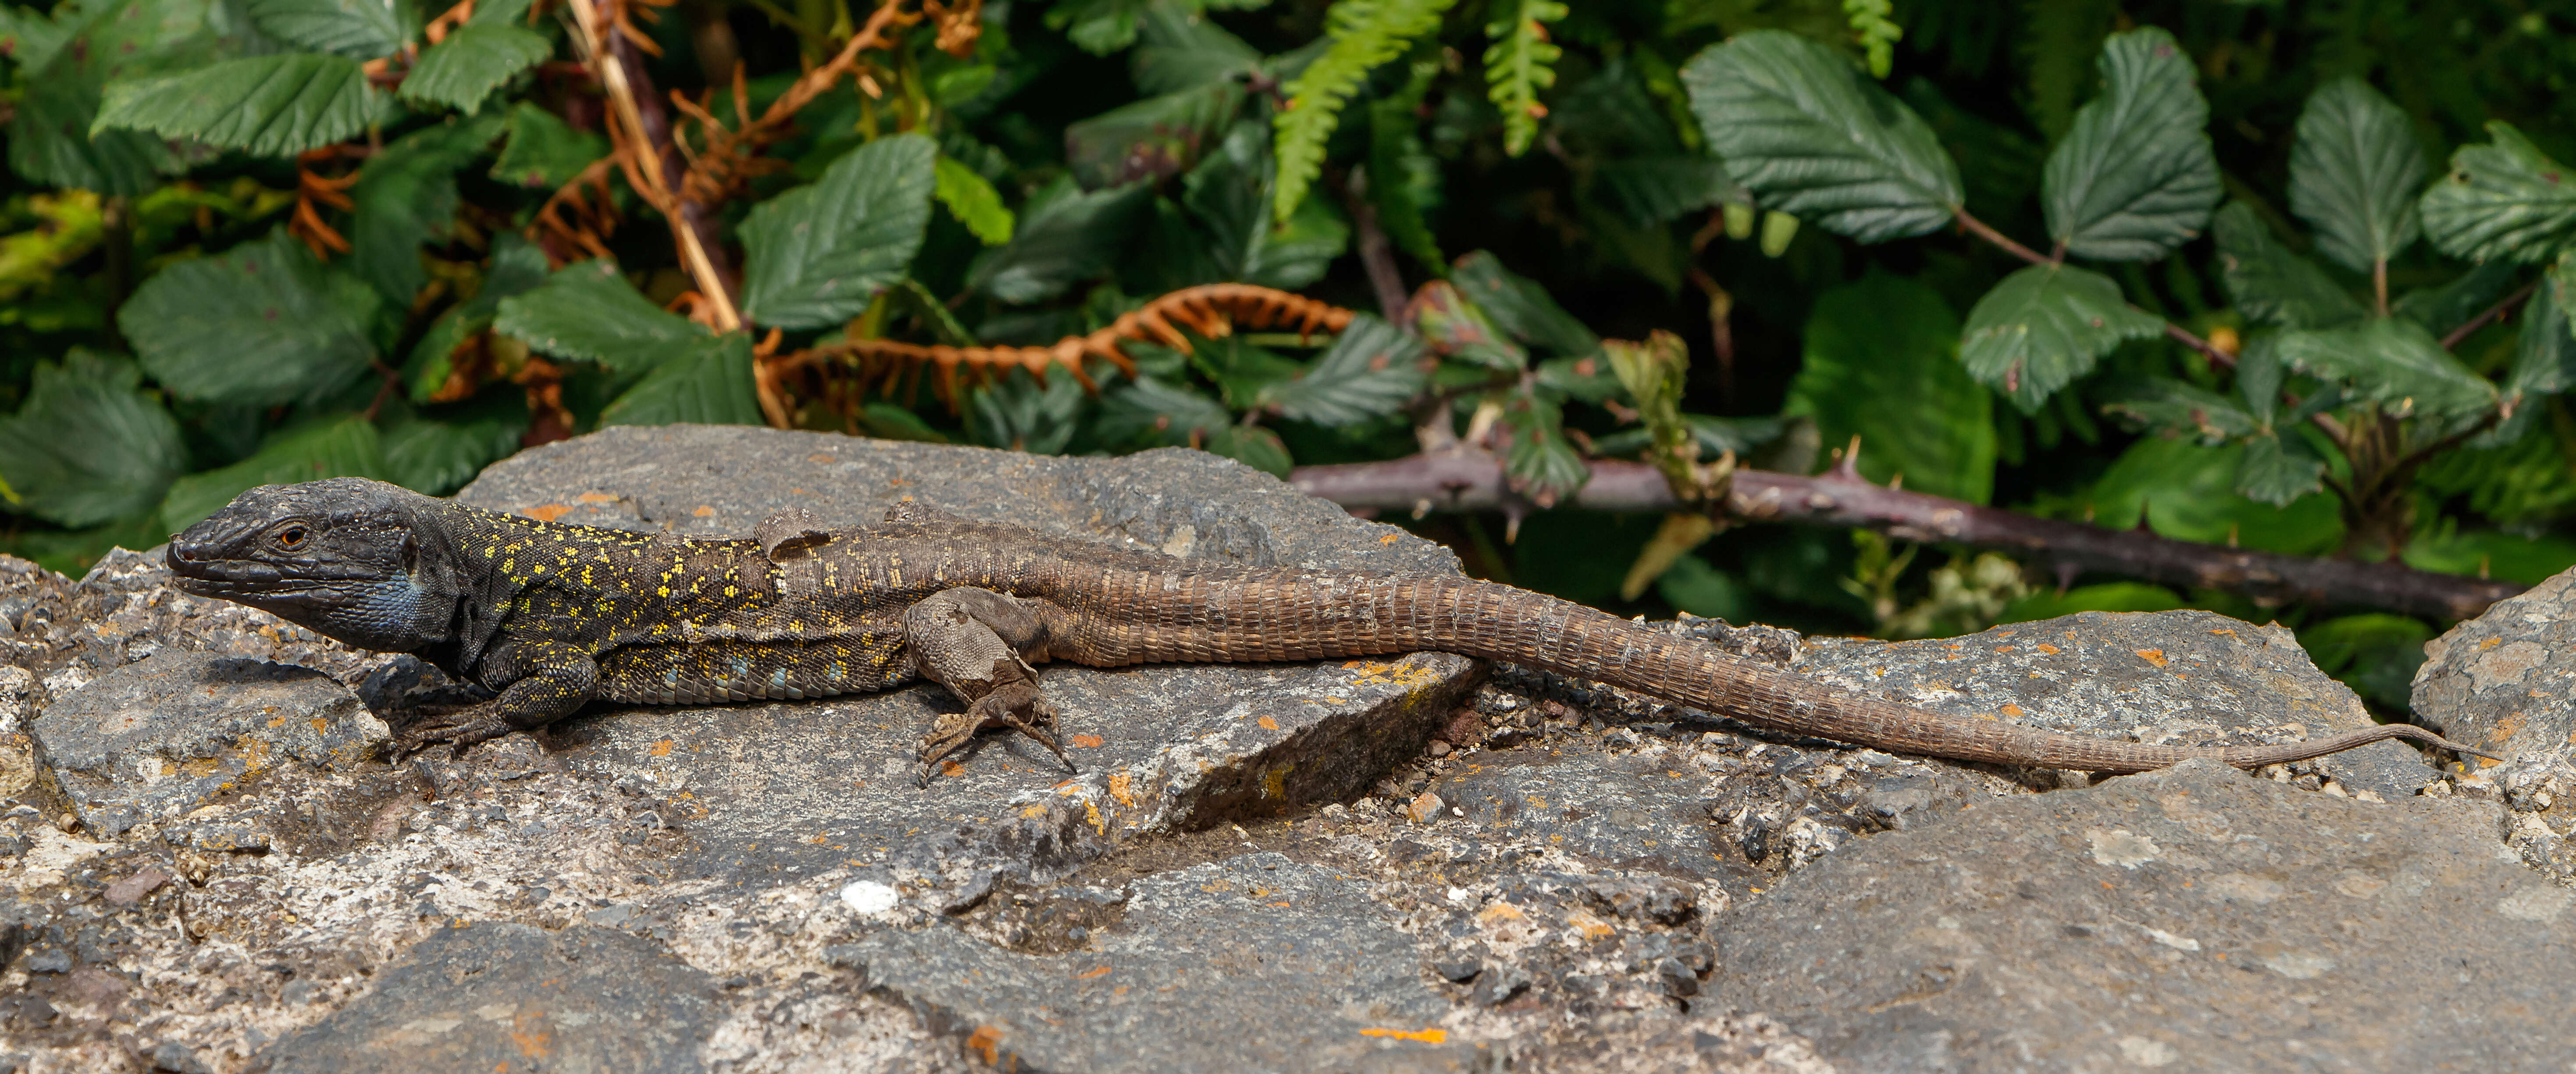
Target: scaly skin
(552,616)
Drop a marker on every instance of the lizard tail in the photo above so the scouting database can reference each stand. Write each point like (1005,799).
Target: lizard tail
(1145,616)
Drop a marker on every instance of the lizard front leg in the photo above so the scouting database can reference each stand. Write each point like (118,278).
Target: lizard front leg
(554,681)
(979,644)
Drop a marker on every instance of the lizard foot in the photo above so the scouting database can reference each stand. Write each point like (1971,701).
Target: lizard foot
(1014,705)
(461,725)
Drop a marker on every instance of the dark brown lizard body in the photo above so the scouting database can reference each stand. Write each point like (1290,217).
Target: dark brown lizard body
(552,616)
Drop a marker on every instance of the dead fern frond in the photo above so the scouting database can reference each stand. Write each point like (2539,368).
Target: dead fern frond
(313,187)
(578,219)
(1211,311)
(447,21)
(959,25)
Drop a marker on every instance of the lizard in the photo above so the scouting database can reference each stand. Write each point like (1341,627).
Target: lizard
(551,616)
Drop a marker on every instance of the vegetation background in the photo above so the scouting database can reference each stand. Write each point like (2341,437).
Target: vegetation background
(2283,276)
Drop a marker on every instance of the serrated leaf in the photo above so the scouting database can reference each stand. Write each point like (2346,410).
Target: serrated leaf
(1230,194)
(817,255)
(586,310)
(1814,137)
(476,59)
(261,324)
(2046,325)
(437,453)
(706,381)
(1151,410)
(972,200)
(2355,173)
(1065,237)
(1517,66)
(2447,306)
(1360,35)
(50,143)
(1252,446)
(1538,463)
(1019,414)
(1520,306)
(63,63)
(2273,285)
(1881,364)
(1587,378)
(2391,361)
(2277,471)
(2186,491)
(1403,179)
(1371,371)
(406,196)
(336,447)
(357,29)
(2258,378)
(1454,327)
(2135,176)
(268,106)
(1181,49)
(517,267)
(89,446)
(1154,138)
(2166,403)
(543,152)
(1652,190)
(2544,357)
(2502,201)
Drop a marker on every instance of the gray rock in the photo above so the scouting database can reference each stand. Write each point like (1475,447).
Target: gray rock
(2183,678)
(512,997)
(1255,963)
(2195,918)
(2503,682)
(171,733)
(810,785)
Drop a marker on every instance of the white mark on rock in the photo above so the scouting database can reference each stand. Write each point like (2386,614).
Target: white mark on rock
(869,896)
(2358,884)
(2238,887)
(433,1026)
(2299,967)
(1183,539)
(496,1012)
(2178,943)
(2148,1053)
(2540,902)
(2121,847)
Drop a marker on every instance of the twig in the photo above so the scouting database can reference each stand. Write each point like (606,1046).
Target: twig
(1979,229)
(1377,254)
(637,127)
(1472,482)
(2502,307)
(2182,335)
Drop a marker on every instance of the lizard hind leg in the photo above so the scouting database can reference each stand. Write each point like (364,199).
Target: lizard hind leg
(980,645)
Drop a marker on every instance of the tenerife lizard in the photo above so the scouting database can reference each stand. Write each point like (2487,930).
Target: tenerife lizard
(552,616)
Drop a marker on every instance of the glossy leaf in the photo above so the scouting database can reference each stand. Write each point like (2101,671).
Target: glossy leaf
(358,29)
(1538,462)
(972,200)
(1520,306)
(438,452)
(2166,403)
(2186,491)
(817,255)
(2273,285)
(1881,364)
(588,311)
(1065,237)
(543,152)
(706,381)
(2135,176)
(2046,325)
(334,447)
(475,60)
(261,324)
(1814,137)
(2505,200)
(1371,371)
(2391,361)
(406,196)
(2355,173)
(88,446)
(269,106)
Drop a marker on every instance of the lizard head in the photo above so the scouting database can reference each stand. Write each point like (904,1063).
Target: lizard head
(341,556)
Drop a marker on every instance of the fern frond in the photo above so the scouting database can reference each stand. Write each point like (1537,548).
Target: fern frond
(1516,67)
(1875,32)
(1365,34)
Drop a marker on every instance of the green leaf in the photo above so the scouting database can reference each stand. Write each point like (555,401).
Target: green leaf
(1454,327)
(706,382)
(1019,414)
(1230,194)
(437,454)
(2503,201)
(2135,176)
(1403,178)
(543,152)
(1538,463)
(1655,189)
(358,29)
(1520,306)
(586,310)
(2273,285)
(2188,492)
(476,59)
(2509,556)
(2278,469)
(2544,357)
(1880,364)
(1814,137)
(1363,34)
(1065,237)
(2447,306)
(2376,654)
(1516,66)
(1182,50)
(972,200)
(1371,371)
(262,324)
(517,267)
(2046,325)
(63,63)
(1154,411)
(2354,174)
(89,446)
(818,254)
(2391,361)
(1154,138)
(1716,436)
(50,143)
(406,196)
(1253,446)
(1588,378)
(267,106)
(2107,597)
(1693,586)
(340,447)
(2166,403)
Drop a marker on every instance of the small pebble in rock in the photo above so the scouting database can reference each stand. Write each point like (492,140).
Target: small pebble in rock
(869,896)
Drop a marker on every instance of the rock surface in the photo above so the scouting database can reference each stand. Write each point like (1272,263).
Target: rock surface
(2505,682)
(1566,878)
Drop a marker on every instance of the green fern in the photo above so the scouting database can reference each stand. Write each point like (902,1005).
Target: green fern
(2059,47)
(1875,32)
(1516,67)
(1364,34)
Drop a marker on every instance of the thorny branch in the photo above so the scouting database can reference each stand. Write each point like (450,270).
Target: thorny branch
(1473,481)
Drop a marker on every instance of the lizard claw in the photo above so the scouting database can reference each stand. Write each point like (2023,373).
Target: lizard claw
(1017,706)
(460,726)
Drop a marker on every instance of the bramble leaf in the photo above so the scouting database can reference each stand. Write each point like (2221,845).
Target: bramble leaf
(2505,200)
(1065,236)
(406,196)
(268,106)
(2273,285)
(2355,174)
(346,446)
(1881,364)
(817,255)
(586,310)
(261,324)
(437,453)
(1538,462)
(706,381)
(543,152)
(517,267)
(358,29)
(1371,371)
(2278,469)
(1520,306)
(2166,403)
(2391,361)
(1814,137)
(2046,325)
(2135,176)
(476,59)
(89,446)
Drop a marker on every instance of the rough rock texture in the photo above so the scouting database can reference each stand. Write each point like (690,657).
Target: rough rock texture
(2506,683)
(2195,918)
(1565,878)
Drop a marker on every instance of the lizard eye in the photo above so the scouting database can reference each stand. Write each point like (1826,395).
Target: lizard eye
(292,538)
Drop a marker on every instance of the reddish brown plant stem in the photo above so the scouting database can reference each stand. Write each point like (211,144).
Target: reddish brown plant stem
(1467,481)
(2502,308)
(1980,229)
